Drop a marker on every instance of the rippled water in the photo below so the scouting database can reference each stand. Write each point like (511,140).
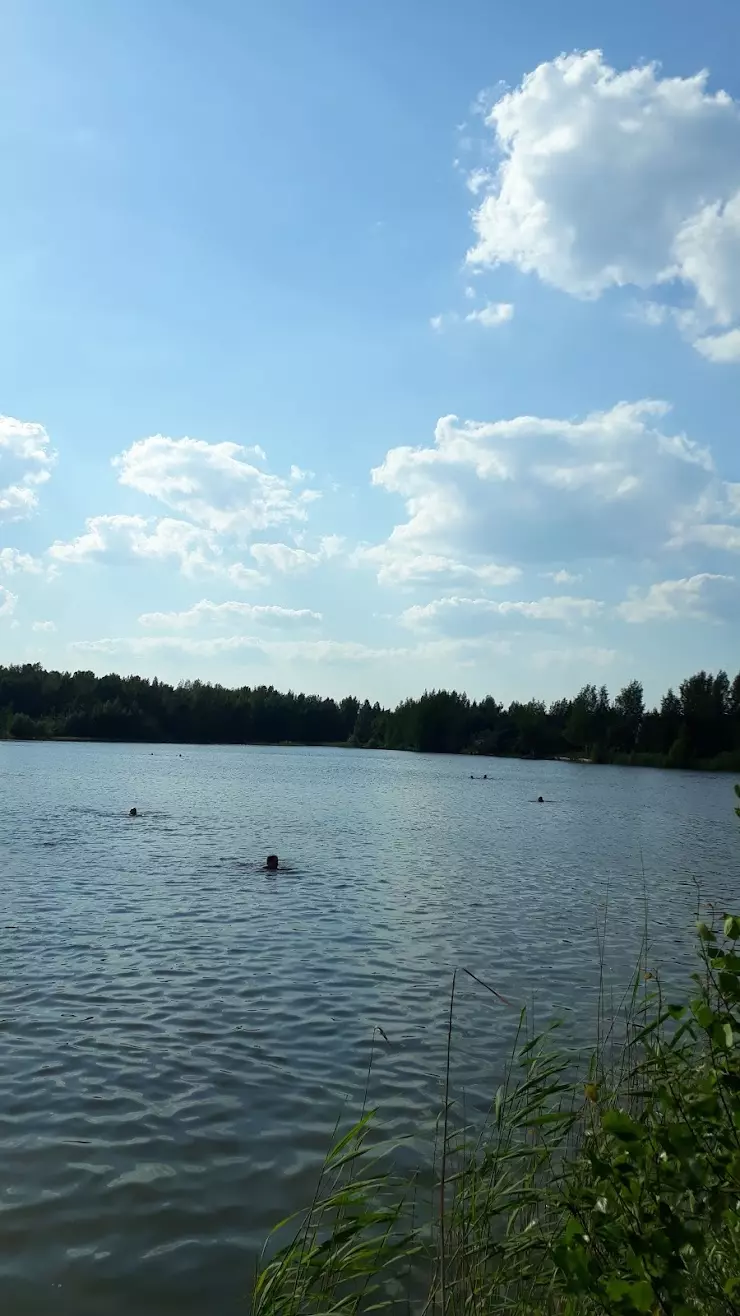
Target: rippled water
(179,1030)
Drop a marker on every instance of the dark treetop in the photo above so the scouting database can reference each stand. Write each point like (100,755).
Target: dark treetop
(699,725)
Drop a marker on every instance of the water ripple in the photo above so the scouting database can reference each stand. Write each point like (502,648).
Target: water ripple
(180,1030)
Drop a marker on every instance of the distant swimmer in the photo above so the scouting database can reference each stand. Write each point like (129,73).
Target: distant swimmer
(485,776)
(272,863)
(540,800)
(132,813)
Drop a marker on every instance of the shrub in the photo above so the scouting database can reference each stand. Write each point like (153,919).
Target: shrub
(611,1189)
(22,727)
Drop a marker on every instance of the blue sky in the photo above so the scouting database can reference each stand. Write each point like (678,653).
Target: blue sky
(374,346)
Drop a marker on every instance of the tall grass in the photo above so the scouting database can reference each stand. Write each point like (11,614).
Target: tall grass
(608,1184)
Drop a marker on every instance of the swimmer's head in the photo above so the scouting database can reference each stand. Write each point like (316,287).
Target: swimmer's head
(132,813)
(272,862)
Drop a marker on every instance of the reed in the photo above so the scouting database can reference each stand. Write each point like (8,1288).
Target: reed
(604,1183)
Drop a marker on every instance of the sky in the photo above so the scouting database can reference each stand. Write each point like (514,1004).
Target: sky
(371,347)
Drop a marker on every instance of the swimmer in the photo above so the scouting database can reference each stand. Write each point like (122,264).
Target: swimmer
(540,800)
(132,813)
(272,863)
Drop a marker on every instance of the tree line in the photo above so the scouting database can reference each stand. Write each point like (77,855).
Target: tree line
(697,725)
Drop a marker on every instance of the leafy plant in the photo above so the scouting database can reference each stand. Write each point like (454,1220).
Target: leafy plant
(606,1187)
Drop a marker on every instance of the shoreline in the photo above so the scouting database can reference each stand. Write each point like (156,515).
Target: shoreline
(644,761)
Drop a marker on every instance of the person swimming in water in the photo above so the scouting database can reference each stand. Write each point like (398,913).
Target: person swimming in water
(272,863)
(540,800)
(132,813)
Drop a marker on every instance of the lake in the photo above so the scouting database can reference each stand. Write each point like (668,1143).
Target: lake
(180,1031)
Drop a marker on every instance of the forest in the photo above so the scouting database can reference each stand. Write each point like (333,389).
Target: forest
(696,726)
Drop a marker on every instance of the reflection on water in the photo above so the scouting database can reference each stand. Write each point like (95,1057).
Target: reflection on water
(179,1029)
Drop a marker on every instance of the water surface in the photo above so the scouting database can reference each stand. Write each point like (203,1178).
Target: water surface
(179,1031)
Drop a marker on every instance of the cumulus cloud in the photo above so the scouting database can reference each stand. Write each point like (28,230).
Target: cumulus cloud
(562,577)
(206,611)
(671,600)
(318,651)
(8,602)
(610,178)
(399,567)
(43,626)
(13,562)
(722,348)
(216,485)
(26,461)
(194,550)
(491,315)
(287,559)
(726,538)
(120,535)
(534,489)
(241,576)
(460,613)
(712,521)
(324,651)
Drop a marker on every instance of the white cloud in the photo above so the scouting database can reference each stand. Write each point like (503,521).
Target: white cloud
(287,559)
(491,315)
(26,459)
(291,651)
(7,602)
(403,567)
(707,521)
(726,538)
(536,489)
(17,502)
(589,655)
(462,611)
(206,611)
(562,577)
(478,179)
(650,313)
(217,485)
(43,626)
(13,562)
(195,551)
(318,651)
(669,600)
(722,348)
(707,247)
(25,440)
(122,535)
(241,576)
(613,178)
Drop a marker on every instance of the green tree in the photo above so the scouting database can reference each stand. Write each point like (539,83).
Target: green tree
(629,712)
(363,724)
(671,720)
(581,727)
(23,727)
